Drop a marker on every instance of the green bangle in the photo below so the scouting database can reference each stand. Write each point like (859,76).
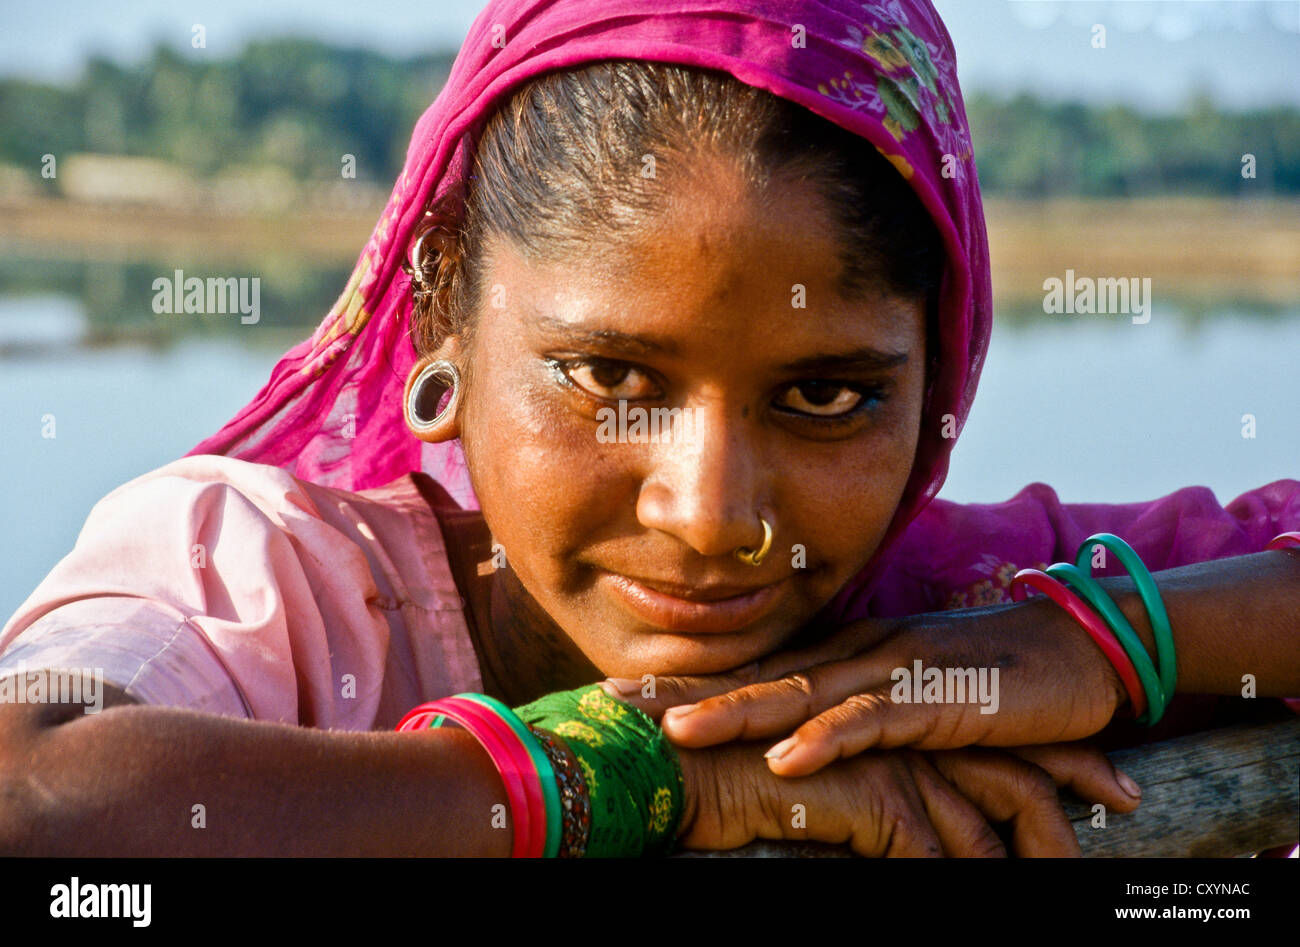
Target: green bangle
(1096,596)
(1146,587)
(542,762)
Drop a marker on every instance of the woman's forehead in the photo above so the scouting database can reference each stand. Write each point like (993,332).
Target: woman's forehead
(711,228)
(772,311)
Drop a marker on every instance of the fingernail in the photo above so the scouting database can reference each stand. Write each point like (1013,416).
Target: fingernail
(781,749)
(681,711)
(620,686)
(1126,783)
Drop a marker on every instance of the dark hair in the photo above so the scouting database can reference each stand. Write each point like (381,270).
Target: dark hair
(560,164)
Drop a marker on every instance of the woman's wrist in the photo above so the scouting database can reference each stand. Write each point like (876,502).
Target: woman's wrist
(1046,621)
(633,774)
(1233,621)
(1035,637)
(484,791)
(1087,657)
(1123,592)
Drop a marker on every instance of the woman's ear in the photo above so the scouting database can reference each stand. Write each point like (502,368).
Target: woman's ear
(431,399)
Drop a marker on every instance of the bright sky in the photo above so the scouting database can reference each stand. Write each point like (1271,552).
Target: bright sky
(1243,53)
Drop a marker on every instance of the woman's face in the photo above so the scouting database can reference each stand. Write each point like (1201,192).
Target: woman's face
(793,404)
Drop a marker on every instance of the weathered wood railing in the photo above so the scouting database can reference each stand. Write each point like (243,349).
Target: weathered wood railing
(1212,794)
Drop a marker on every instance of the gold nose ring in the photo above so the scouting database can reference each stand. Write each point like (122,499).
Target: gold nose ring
(745,554)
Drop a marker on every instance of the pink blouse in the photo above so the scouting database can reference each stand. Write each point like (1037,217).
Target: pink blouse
(235,588)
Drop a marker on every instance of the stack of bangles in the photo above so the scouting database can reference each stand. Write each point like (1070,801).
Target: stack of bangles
(585,775)
(1072,586)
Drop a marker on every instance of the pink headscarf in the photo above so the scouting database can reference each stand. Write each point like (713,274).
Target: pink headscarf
(331,412)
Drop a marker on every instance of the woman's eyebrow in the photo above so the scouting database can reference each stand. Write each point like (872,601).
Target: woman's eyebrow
(864,359)
(606,338)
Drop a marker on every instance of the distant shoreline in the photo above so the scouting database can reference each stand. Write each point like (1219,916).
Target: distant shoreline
(1205,248)
(1193,247)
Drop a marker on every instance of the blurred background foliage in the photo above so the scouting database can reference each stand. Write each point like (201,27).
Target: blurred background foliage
(293,107)
(291,104)
(1029,148)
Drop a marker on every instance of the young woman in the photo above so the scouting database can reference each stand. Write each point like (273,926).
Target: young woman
(651,368)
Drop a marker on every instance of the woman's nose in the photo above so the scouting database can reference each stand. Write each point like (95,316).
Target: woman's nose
(705,484)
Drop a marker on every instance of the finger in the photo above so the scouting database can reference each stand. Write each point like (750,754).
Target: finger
(654,694)
(1008,789)
(848,640)
(904,817)
(961,827)
(874,720)
(1086,772)
(772,708)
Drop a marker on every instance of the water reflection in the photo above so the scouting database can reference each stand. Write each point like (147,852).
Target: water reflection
(113,301)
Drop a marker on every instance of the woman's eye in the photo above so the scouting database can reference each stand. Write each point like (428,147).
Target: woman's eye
(615,381)
(822,399)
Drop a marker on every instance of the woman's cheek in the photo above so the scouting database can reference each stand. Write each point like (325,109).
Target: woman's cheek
(543,479)
(842,500)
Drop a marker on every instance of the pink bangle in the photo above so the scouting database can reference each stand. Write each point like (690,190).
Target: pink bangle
(417,718)
(1282,540)
(506,762)
(523,763)
(1092,623)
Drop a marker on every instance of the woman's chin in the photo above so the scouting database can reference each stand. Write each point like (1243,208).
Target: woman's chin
(638,652)
(629,628)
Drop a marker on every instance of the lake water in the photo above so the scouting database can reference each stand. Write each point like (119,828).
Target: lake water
(1100,408)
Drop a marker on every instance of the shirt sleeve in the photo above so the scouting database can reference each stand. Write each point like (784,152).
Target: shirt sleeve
(962,555)
(212,584)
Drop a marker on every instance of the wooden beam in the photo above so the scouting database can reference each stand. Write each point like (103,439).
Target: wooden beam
(1218,793)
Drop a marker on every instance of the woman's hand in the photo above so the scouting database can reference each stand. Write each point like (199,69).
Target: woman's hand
(898,803)
(841,697)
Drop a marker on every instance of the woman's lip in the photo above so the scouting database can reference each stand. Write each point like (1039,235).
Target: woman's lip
(714,615)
